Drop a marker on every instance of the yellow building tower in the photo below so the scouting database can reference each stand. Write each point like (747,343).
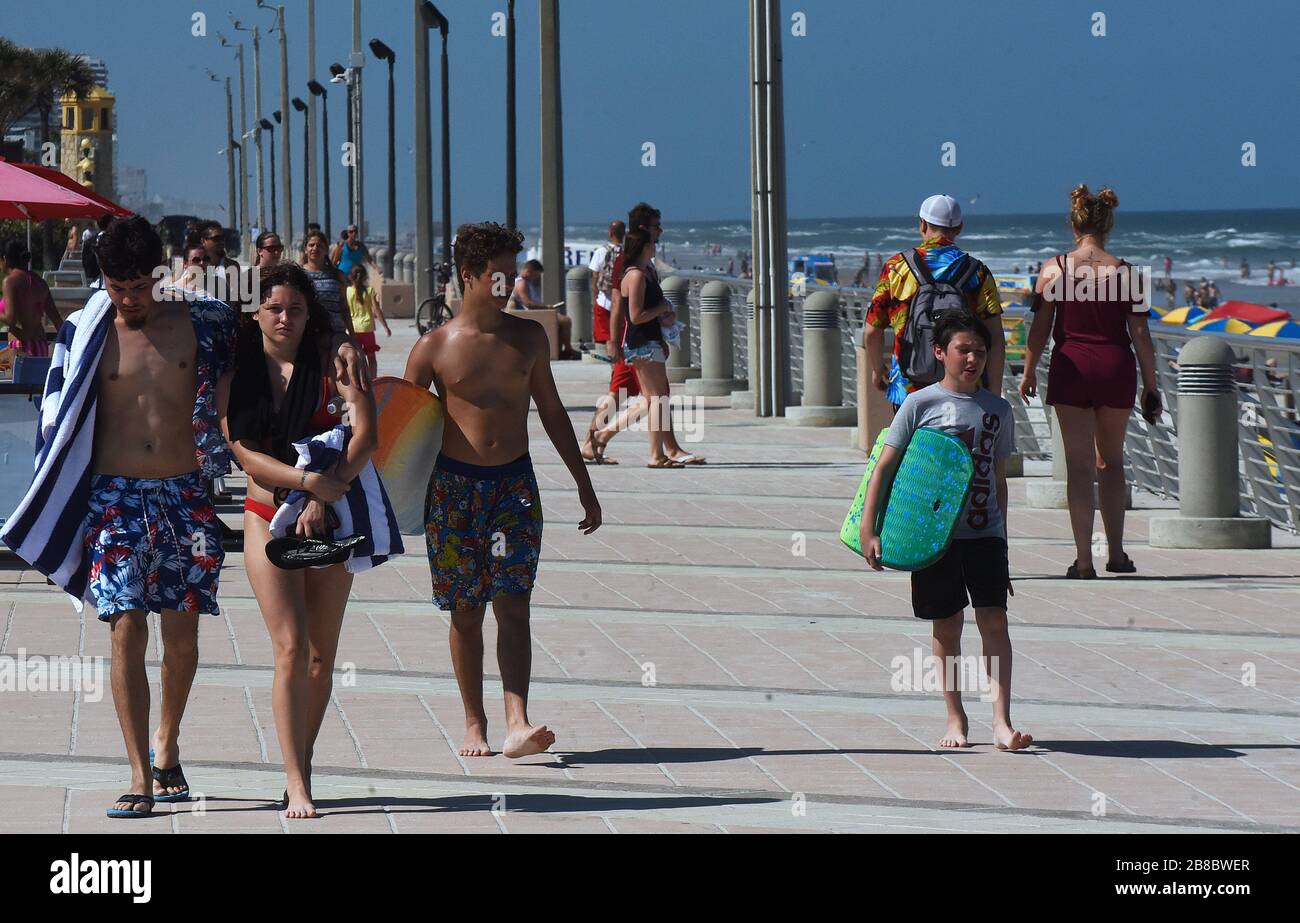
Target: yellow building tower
(86,140)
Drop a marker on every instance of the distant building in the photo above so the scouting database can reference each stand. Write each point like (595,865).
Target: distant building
(132,188)
(86,136)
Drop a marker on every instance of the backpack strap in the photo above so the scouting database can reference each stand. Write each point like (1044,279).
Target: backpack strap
(918,267)
(964,277)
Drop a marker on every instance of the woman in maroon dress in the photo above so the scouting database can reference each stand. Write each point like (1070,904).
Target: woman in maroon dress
(1096,307)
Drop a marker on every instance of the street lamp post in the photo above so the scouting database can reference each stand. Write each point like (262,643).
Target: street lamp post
(269,126)
(257,118)
(343,75)
(510,116)
(230,154)
(384,53)
(301,106)
(317,90)
(286,178)
(243,129)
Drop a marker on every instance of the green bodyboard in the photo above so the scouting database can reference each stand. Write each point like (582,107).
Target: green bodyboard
(916,521)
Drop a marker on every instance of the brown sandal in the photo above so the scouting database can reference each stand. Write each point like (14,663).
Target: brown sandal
(666,463)
(598,448)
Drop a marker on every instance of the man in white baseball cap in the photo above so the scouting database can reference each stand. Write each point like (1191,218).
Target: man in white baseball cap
(946,265)
(942,212)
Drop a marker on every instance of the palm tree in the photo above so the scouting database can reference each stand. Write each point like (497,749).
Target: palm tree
(15,95)
(51,73)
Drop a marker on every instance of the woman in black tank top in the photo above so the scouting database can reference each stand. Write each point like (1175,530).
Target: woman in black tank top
(643,344)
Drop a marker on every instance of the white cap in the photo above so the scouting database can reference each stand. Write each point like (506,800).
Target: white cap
(941,210)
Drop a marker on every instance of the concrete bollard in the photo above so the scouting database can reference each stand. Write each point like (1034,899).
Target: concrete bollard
(577,303)
(1209,476)
(381,260)
(399,266)
(679,357)
(874,410)
(744,400)
(823,395)
(408,264)
(717,362)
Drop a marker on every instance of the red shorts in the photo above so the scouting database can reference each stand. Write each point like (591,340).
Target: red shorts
(599,323)
(624,376)
(367,342)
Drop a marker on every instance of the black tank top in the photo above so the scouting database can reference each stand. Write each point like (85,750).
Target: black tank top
(651,331)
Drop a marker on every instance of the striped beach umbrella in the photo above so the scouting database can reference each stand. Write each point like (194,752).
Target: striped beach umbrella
(1287,329)
(1221,325)
(1184,315)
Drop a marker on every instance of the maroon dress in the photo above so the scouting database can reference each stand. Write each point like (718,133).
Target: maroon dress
(1092,363)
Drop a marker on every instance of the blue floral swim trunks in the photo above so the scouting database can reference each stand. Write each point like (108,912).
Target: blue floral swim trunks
(152,544)
(483,529)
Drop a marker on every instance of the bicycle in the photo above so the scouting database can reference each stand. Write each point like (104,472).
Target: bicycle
(433,311)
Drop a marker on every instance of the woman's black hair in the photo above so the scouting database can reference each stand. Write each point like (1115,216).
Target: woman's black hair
(16,254)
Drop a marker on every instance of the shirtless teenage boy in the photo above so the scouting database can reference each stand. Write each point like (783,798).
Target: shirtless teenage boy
(483,513)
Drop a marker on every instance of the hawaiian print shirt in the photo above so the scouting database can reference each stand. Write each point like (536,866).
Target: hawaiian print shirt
(216,331)
(896,286)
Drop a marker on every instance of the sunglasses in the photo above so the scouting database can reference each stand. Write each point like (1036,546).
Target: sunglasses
(275,249)
(213,237)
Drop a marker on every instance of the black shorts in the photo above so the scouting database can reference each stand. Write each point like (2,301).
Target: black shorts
(974,566)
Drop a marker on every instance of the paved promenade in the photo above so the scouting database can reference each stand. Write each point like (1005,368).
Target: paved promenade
(703,676)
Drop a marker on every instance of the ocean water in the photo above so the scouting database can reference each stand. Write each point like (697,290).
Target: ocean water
(1208,244)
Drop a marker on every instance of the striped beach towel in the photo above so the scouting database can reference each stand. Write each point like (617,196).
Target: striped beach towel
(46,529)
(363,510)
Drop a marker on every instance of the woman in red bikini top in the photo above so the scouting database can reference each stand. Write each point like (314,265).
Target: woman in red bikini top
(282,383)
(1095,307)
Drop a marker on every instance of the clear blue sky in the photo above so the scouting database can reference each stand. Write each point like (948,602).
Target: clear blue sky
(1159,107)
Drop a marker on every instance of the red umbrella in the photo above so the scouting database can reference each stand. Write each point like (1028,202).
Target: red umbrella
(24,194)
(1251,313)
(67,182)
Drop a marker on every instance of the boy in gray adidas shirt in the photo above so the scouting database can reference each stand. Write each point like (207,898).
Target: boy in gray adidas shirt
(974,569)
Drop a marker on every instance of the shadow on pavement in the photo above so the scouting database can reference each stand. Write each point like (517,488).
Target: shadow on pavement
(704,755)
(531,803)
(1155,749)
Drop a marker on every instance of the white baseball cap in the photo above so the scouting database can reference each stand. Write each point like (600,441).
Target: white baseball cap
(941,210)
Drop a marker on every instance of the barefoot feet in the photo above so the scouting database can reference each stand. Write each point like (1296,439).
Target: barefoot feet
(527,740)
(955,736)
(475,743)
(300,805)
(1005,737)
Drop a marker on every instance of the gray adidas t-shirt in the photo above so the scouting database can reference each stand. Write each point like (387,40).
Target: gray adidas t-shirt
(981,420)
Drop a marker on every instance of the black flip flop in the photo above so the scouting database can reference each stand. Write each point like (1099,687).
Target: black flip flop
(170,778)
(294,552)
(1125,567)
(132,799)
(1073,573)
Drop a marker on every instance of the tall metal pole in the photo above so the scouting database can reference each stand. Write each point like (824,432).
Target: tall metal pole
(243,161)
(257,126)
(269,127)
(286,177)
(392,173)
(313,180)
(511,187)
(782,381)
(758,197)
(552,178)
(357,66)
(351,167)
(423,159)
(230,157)
(446,153)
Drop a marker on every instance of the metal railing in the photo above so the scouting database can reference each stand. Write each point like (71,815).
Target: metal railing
(1267,373)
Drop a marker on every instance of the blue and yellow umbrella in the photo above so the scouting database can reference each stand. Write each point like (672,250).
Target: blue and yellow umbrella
(1221,325)
(1287,329)
(1184,315)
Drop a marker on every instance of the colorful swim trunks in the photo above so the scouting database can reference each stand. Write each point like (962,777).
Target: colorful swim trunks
(483,528)
(153,544)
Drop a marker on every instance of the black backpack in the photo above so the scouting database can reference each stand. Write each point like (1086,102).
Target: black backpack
(932,299)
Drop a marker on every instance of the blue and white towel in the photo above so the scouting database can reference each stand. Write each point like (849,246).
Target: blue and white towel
(364,509)
(47,528)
